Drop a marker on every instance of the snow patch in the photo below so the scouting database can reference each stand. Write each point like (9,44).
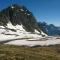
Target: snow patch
(17,27)
(21,9)
(30,43)
(18,35)
(28,14)
(9,25)
(19,31)
(2,27)
(12,7)
(42,33)
(36,31)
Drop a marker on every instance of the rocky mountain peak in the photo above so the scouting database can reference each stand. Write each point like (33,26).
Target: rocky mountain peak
(19,15)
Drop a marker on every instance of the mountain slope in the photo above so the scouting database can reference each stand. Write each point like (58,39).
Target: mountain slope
(18,22)
(50,29)
(19,15)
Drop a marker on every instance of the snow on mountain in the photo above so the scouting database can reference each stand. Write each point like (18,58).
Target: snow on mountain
(18,26)
(15,21)
(12,7)
(21,37)
(18,23)
(17,35)
(21,9)
(42,33)
(34,42)
(17,31)
(18,15)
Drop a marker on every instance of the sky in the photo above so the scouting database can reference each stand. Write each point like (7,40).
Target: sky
(44,10)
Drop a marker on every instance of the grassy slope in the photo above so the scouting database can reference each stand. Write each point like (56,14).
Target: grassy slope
(8,52)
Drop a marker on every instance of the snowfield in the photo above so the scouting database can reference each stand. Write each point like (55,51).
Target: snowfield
(16,35)
(34,42)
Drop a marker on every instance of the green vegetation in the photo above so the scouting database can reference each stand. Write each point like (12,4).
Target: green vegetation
(9,52)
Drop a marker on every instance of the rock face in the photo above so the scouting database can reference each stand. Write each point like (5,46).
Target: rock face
(18,23)
(19,15)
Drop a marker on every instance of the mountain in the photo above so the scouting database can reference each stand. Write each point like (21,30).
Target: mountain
(18,15)
(50,29)
(16,21)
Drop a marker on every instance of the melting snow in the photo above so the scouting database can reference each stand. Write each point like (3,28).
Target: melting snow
(21,9)
(28,42)
(29,39)
(17,27)
(19,31)
(12,7)
(42,33)
(36,31)
(2,27)
(28,14)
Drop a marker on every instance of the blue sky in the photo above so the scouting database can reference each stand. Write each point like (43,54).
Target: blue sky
(43,10)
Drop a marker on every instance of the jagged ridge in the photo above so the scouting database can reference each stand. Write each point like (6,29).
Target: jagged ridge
(19,15)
